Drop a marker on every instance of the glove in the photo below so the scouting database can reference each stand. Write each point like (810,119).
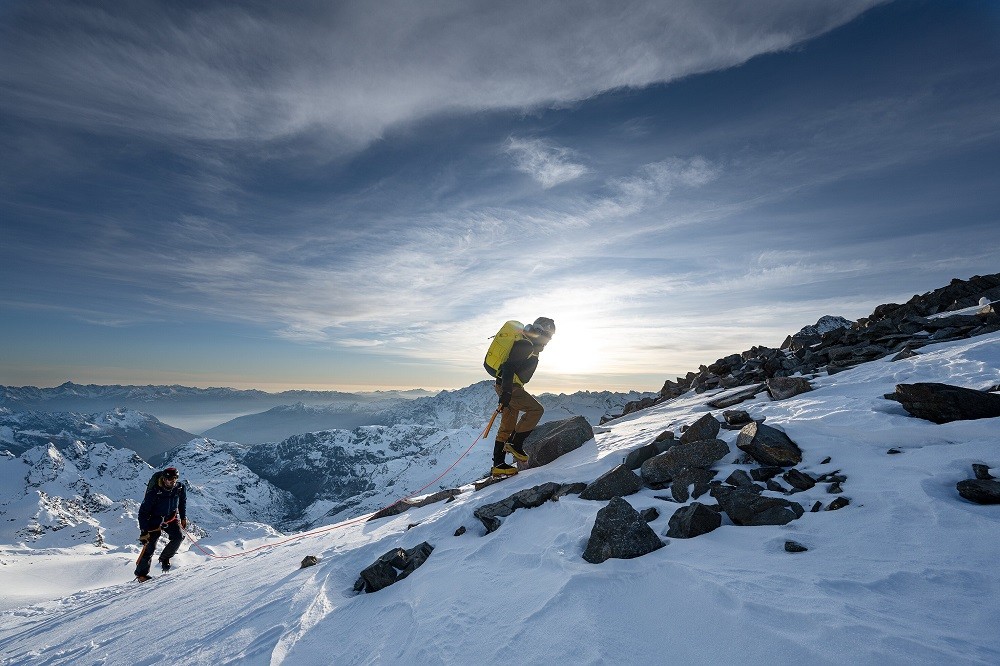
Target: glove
(143,537)
(504,399)
(184,523)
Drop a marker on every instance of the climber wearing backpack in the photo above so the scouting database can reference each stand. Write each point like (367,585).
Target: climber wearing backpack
(163,506)
(512,359)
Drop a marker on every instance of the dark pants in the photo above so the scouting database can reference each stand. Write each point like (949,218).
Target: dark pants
(175,537)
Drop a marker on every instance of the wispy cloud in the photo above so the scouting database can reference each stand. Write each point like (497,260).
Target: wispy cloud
(544,161)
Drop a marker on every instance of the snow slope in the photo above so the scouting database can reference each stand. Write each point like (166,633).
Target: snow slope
(904,575)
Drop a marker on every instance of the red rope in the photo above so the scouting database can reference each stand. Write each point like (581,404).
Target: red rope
(352,521)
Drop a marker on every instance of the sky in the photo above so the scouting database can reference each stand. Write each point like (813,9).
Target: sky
(353,195)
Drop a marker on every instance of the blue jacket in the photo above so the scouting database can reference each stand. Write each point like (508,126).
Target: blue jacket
(161,504)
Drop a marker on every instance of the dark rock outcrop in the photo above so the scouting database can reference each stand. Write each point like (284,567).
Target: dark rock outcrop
(693,520)
(620,532)
(554,439)
(406,504)
(490,514)
(746,507)
(703,454)
(980,491)
(943,403)
(618,482)
(392,567)
(781,388)
(768,446)
(706,427)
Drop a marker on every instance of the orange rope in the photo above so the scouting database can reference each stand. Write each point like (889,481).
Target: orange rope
(353,520)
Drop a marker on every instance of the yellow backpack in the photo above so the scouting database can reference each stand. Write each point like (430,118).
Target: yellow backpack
(499,350)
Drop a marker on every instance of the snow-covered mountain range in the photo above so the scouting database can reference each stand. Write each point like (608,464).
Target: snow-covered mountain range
(904,573)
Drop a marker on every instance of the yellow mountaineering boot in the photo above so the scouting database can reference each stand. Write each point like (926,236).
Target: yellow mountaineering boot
(515,446)
(503,469)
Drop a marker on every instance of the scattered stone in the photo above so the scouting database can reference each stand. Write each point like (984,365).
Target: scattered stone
(663,467)
(460,531)
(781,388)
(893,451)
(736,417)
(768,446)
(825,461)
(554,439)
(745,507)
(693,520)
(707,427)
(906,352)
(392,567)
(980,491)
(695,476)
(664,436)
(309,561)
(776,487)
(490,514)
(838,503)
(636,457)
(834,488)
(568,489)
(740,479)
(797,479)
(816,507)
(982,472)
(943,403)
(765,473)
(620,532)
(795,547)
(650,514)
(406,504)
(618,482)
(736,398)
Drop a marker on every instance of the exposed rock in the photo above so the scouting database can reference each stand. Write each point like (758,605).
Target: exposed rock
(618,482)
(693,520)
(893,451)
(392,567)
(460,531)
(636,457)
(663,467)
(816,507)
(736,398)
(769,446)
(554,439)
(707,427)
(943,403)
(740,479)
(982,472)
(736,417)
(797,479)
(834,488)
(838,503)
(691,476)
(620,532)
(795,547)
(765,473)
(745,507)
(490,514)
(309,561)
(568,489)
(980,491)
(650,514)
(406,504)
(781,388)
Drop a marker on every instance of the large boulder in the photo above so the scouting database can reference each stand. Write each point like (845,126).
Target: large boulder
(490,514)
(392,567)
(768,446)
(980,491)
(707,427)
(620,532)
(693,520)
(746,507)
(619,482)
(556,438)
(662,468)
(691,476)
(781,388)
(942,403)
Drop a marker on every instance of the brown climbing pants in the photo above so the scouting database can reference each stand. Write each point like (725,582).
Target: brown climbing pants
(520,401)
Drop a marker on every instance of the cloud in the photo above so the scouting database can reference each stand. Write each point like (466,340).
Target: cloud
(544,161)
(350,70)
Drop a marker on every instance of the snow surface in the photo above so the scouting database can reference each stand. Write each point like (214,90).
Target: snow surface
(907,574)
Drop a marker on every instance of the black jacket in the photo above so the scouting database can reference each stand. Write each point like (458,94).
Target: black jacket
(160,504)
(522,361)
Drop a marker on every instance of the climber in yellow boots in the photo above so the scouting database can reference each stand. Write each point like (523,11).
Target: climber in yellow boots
(512,359)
